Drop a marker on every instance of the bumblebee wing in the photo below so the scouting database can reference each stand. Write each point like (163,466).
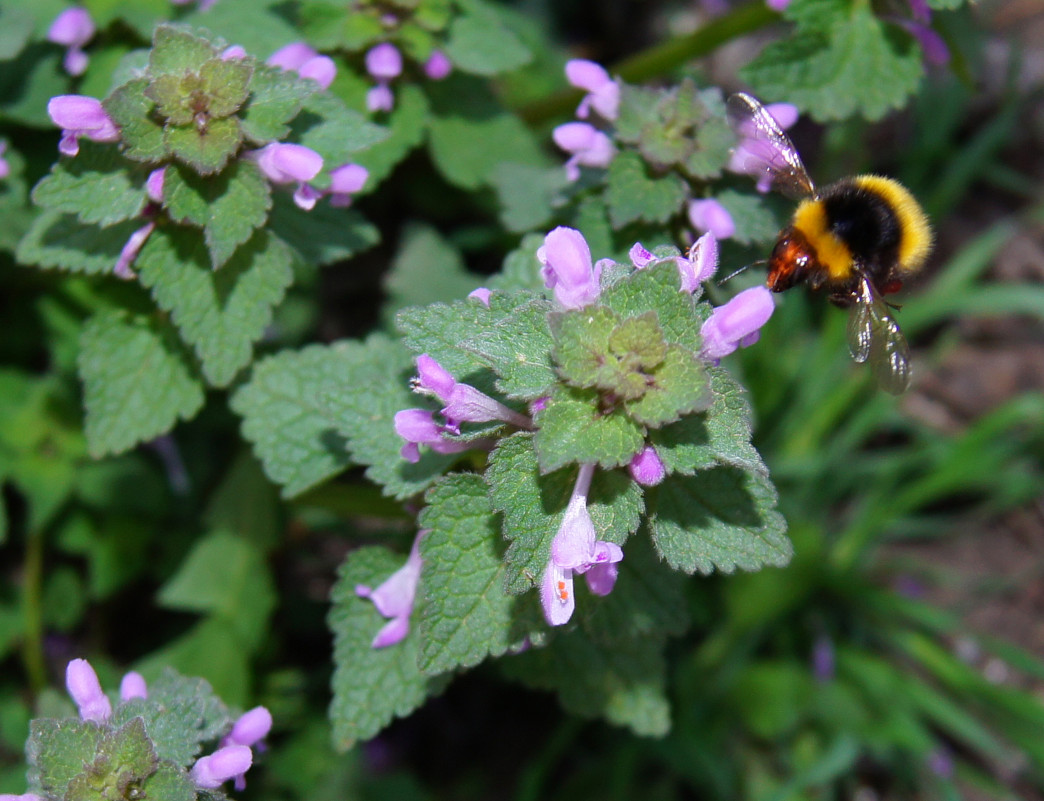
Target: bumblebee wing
(875,336)
(764,151)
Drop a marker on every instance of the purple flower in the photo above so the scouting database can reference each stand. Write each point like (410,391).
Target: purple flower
(394,597)
(82,683)
(22,797)
(154,185)
(384,61)
(646,467)
(250,727)
(233,53)
(700,264)
(133,686)
(940,762)
(305,61)
(576,549)
(418,427)
(481,294)
(438,65)
(710,215)
(933,46)
(5,167)
(603,93)
(135,242)
(73,28)
(567,268)
(284,163)
(229,762)
(588,147)
(463,403)
(78,115)
(737,323)
(777,5)
(345,181)
(380,98)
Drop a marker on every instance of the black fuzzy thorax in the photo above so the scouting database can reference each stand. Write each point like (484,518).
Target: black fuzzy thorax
(864,221)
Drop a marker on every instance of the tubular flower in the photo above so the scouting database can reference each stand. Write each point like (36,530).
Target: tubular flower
(73,28)
(438,65)
(575,549)
(131,249)
(228,762)
(82,683)
(305,61)
(284,163)
(78,115)
(567,268)
(587,146)
(464,403)
(646,467)
(394,597)
(249,729)
(5,167)
(695,268)
(383,62)
(737,323)
(418,427)
(710,215)
(603,93)
(133,686)
(345,181)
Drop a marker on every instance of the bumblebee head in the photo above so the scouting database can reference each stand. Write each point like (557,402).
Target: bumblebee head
(793,261)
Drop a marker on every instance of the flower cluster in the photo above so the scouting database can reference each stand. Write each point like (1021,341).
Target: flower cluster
(384,64)
(586,145)
(230,761)
(575,281)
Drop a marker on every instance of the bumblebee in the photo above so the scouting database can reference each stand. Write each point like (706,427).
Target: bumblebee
(858,239)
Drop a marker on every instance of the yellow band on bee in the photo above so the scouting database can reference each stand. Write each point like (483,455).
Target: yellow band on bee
(916,233)
(833,254)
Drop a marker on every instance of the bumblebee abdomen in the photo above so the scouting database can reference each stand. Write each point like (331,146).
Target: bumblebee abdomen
(914,230)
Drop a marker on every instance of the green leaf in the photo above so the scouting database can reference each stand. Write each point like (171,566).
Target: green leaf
(334,131)
(517,347)
(526,194)
(633,194)
(169,783)
(427,268)
(720,518)
(533,504)
(226,85)
(478,43)
(306,411)
(136,383)
(573,428)
(206,150)
(224,575)
(16,26)
(466,615)
(468,144)
(719,436)
(440,329)
(657,288)
(853,65)
(275,99)
(141,137)
(124,758)
(325,234)
(756,221)
(98,186)
(247,503)
(220,313)
(229,206)
(176,51)
(270,26)
(180,715)
(58,750)
(29,81)
(581,346)
(685,127)
(677,386)
(57,240)
(371,686)
(623,681)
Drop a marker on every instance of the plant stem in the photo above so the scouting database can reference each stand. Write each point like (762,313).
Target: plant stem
(662,58)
